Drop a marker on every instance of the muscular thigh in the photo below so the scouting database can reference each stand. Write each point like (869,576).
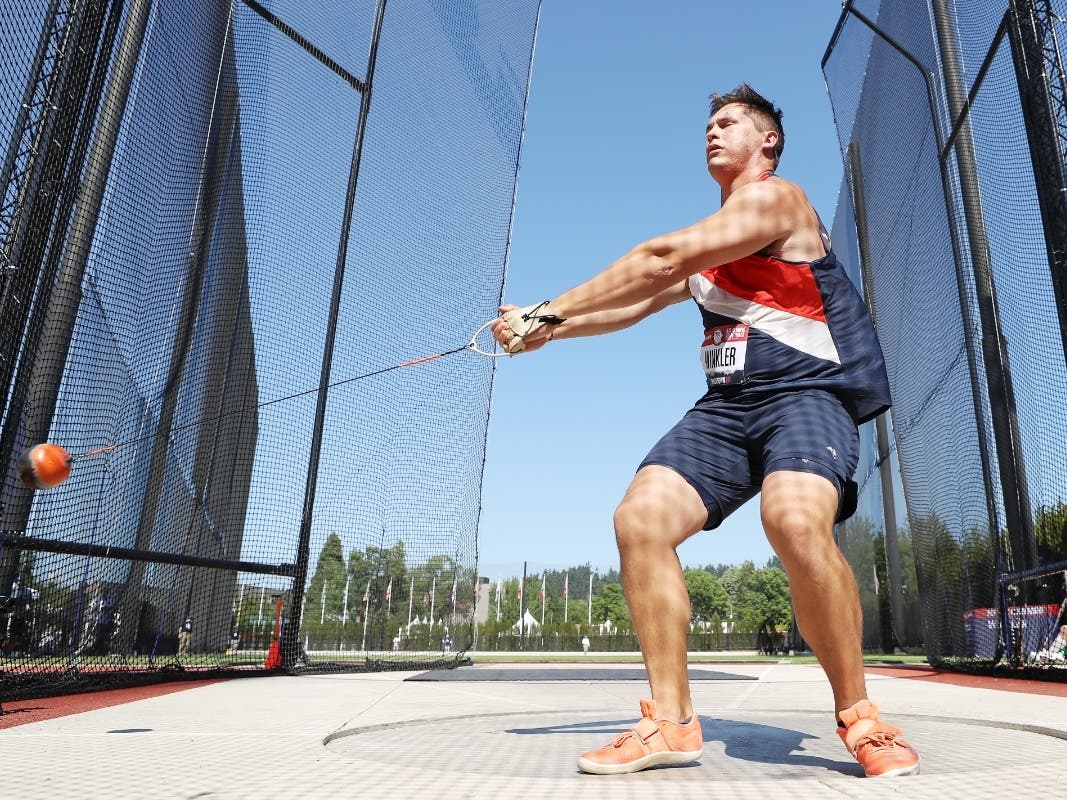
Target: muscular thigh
(798,510)
(809,433)
(708,449)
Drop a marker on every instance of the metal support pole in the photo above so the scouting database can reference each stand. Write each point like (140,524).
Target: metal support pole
(290,644)
(957,250)
(222,129)
(1006,437)
(1040,74)
(889,511)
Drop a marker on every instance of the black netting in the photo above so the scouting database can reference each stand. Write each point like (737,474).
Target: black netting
(203,202)
(959,273)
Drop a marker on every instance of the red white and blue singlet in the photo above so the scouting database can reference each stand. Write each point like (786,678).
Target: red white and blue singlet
(777,325)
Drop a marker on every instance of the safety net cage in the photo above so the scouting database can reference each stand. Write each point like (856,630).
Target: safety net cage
(225,269)
(952,121)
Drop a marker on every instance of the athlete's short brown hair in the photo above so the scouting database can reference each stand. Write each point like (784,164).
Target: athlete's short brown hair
(759,109)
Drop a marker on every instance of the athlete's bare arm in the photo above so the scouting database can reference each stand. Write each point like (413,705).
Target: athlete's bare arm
(772,216)
(600,322)
(616,319)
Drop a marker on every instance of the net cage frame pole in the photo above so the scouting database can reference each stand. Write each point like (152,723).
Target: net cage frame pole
(997,372)
(221,130)
(290,639)
(892,551)
(64,297)
(1002,406)
(41,545)
(48,145)
(1042,82)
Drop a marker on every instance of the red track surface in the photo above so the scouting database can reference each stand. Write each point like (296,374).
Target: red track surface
(921,673)
(19,712)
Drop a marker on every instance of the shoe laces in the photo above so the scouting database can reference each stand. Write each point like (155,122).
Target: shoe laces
(881,737)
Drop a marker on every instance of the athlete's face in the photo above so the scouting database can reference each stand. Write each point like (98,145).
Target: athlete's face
(732,140)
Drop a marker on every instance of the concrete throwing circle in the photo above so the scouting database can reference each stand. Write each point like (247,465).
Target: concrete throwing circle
(739,747)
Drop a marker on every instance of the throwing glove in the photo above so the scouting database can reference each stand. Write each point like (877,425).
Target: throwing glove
(522,322)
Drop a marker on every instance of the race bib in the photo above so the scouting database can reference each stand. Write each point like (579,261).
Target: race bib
(723,354)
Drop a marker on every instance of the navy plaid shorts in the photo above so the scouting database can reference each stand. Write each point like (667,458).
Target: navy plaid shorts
(726,444)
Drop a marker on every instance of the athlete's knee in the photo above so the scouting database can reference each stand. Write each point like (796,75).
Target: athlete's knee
(793,521)
(635,520)
(659,508)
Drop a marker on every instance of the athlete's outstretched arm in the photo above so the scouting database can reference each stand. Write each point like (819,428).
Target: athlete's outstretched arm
(599,322)
(752,217)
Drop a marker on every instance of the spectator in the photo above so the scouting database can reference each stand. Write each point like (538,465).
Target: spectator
(185,633)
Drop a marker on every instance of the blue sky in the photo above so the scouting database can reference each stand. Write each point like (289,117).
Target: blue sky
(612,155)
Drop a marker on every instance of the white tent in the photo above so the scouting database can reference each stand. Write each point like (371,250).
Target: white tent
(527,624)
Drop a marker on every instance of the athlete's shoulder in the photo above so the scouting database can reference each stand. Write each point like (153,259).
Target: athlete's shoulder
(786,189)
(771,192)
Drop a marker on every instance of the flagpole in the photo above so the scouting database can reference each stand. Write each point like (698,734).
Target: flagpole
(522,609)
(237,606)
(543,593)
(590,598)
(433,599)
(344,613)
(366,614)
(411,598)
(499,588)
(566,597)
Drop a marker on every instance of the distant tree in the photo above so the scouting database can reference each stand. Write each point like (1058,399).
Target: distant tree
(707,597)
(774,561)
(771,596)
(330,575)
(739,582)
(1050,532)
(610,603)
(979,568)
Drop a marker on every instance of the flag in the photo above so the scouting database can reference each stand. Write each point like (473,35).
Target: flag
(366,593)
(877,586)
(389,591)
(541,594)
(453,594)
(566,583)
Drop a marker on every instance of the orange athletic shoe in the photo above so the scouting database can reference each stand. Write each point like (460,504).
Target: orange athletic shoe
(877,746)
(649,743)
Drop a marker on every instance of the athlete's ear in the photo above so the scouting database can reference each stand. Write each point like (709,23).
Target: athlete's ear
(770,141)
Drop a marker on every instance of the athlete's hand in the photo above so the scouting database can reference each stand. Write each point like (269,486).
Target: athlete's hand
(524,329)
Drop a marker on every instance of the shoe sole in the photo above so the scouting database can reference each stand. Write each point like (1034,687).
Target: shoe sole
(898,772)
(645,762)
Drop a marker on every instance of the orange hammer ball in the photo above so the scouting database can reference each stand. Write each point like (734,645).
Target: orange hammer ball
(44,466)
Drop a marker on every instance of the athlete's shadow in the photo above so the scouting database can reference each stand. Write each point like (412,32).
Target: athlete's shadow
(745,741)
(770,744)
